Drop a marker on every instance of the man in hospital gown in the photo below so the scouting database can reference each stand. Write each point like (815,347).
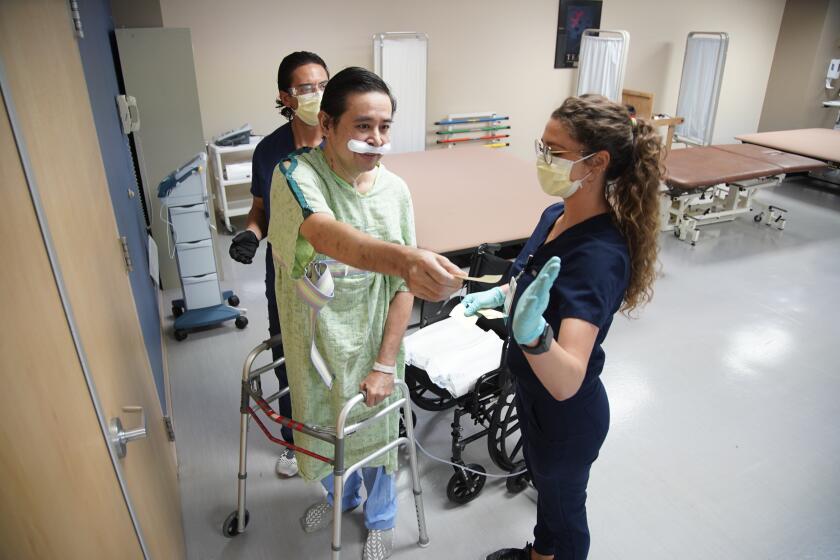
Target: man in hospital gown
(340,202)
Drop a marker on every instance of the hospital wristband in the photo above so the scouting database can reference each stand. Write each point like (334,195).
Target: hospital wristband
(391,370)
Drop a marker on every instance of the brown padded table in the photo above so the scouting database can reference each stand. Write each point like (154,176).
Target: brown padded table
(469,195)
(817,143)
(790,163)
(693,168)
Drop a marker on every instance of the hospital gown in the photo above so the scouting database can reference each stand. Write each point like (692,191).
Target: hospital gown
(349,328)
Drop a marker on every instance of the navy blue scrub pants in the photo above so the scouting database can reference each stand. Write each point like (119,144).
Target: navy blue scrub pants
(284,405)
(561,441)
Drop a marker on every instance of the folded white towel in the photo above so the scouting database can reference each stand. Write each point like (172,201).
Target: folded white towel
(454,353)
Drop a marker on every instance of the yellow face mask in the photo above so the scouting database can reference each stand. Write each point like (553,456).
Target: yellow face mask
(555,177)
(309,105)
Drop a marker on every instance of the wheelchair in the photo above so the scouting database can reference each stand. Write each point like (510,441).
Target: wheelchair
(490,404)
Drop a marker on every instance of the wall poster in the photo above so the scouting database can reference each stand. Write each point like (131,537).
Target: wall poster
(573,18)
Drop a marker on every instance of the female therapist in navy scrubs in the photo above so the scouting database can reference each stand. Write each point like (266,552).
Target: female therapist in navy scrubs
(589,256)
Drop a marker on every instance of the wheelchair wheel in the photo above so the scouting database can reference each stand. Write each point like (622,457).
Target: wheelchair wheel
(424,393)
(518,483)
(403,433)
(464,486)
(504,440)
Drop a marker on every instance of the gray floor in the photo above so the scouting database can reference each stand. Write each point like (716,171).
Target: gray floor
(724,440)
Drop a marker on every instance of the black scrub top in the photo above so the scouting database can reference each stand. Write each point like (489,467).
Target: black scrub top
(594,273)
(271,150)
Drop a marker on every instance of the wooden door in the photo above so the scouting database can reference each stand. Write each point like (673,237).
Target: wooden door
(59,494)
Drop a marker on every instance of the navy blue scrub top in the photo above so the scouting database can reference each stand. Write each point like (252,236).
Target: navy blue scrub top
(594,273)
(269,152)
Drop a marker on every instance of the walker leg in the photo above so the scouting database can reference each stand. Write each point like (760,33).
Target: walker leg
(338,490)
(415,475)
(338,502)
(243,471)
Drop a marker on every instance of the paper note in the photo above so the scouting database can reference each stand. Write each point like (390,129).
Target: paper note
(154,265)
(458,314)
(486,279)
(492,314)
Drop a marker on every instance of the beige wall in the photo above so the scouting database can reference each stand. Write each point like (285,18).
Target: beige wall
(809,37)
(483,54)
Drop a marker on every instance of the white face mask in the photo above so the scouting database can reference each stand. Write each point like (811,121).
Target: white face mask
(309,105)
(360,147)
(555,178)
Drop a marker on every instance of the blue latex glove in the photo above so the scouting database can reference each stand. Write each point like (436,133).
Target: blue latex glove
(488,299)
(528,322)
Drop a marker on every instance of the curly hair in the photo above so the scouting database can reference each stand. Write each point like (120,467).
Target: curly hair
(632,178)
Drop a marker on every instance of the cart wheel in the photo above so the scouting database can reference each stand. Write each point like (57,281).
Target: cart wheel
(757,218)
(424,393)
(403,433)
(229,527)
(464,486)
(504,440)
(518,483)
(233,300)
(180,334)
(241,322)
(177,310)
(677,233)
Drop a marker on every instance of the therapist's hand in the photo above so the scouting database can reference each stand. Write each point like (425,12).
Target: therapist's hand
(377,386)
(528,322)
(488,299)
(244,247)
(431,276)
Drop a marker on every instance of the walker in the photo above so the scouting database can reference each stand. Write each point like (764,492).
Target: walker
(252,390)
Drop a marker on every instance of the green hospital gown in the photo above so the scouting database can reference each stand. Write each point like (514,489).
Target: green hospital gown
(349,328)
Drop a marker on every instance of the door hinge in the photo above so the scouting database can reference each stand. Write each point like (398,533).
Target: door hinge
(77,19)
(129,266)
(170,432)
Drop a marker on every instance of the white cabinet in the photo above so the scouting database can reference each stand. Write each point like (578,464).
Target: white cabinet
(232,179)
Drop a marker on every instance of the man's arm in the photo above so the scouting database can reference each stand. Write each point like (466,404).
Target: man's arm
(379,385)
(429,276)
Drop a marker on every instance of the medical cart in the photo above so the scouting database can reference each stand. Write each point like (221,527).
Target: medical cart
(183,194)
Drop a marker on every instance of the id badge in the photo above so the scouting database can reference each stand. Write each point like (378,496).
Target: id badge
(509,297)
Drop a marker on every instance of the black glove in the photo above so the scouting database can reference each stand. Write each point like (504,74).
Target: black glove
(244,246)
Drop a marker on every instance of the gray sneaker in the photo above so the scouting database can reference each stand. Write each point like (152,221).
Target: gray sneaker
(318,516)
(287,466)
(379,544)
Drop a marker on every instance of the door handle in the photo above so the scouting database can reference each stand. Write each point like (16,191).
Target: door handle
(120,437)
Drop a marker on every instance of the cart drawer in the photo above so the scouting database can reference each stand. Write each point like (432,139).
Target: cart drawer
(190,223)
(201,291)
(196,258)
(189,191)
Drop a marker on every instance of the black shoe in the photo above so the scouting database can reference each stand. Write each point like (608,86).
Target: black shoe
(512,553)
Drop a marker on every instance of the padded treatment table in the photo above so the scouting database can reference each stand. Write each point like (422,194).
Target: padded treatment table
(469,195)
(817,143)
(713,184)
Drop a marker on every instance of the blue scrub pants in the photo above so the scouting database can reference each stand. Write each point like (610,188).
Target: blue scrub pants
(381,503)
(561,441)
(284,405)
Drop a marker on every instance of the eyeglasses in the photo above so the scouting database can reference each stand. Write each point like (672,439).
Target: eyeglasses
(548,154)
(304,89)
